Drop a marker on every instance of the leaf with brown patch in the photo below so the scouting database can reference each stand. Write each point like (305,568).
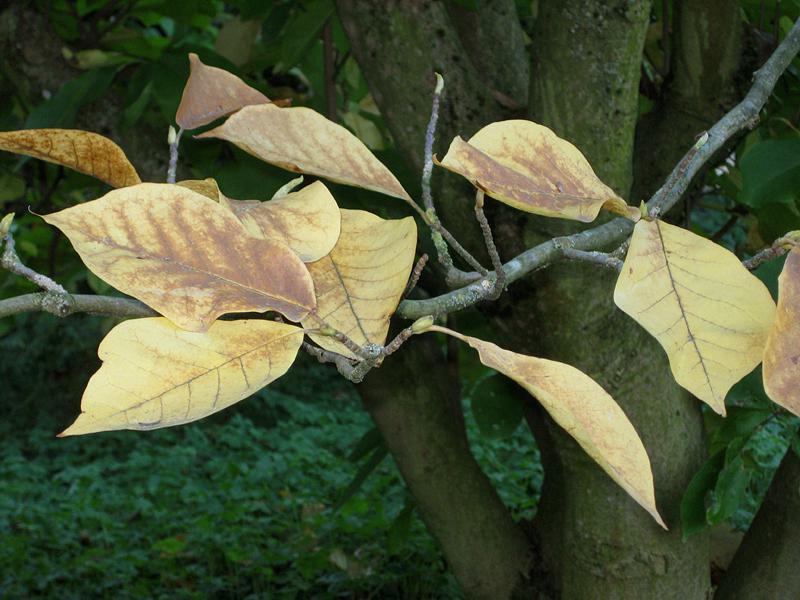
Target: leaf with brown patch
(308,221)
(584,409)
(82,151)
(708,312)
(207,187)
(302,140)
(211,93)
(156,375)
(360,283)
(184,255)
(782,354)
(527,166)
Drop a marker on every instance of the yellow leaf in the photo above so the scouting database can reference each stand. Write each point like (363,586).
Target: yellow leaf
(207,187)
(584,410)
(184,255)
(287,187)
(82,151)
(782,354)
(211,93)
(155,375)
(302,140)
(708,312)
(360,283)
(527,166)
(308,221)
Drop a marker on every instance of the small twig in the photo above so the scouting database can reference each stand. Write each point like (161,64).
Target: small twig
(343,364)
(778,248)
(174,140)
(497,264)
(430,134)
(599,258)
(398,341)
(11,262)
(415,274)
(437,227)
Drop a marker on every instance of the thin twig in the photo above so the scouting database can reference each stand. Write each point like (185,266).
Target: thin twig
(599,258)
(398,341)
(778,248)
(174,140)
(463,252)
(488,238)
(11,262)
(343,364)
(430,135)
(415,274)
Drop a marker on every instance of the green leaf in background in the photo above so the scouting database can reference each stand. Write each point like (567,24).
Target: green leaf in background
(771,173)
(693,504)
(496,407)
(61,109)
(302,30)
(729,491)
(740,423)
(400,530)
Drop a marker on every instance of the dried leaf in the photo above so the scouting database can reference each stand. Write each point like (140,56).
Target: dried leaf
(82,151)
(708,312)
(782,354)
(211,93)
(156,375)
(360,283)
(308,221)
(287,187)
(302,140)
(527,166)
(184,255)
(207,187)
(578,404)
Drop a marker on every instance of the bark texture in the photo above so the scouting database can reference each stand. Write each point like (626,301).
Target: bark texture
(766,564)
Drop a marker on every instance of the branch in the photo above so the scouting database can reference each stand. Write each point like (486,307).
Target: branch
(63,306)
(744,115)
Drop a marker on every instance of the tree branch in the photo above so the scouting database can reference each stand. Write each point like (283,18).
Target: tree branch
(63,306)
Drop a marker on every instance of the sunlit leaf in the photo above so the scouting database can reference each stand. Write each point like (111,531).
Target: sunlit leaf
(156,375)
(184,255)
(207,187)
(83,151)
(302,140)
(211,93)
(527,166)
(708,312)
(360,283)
(585,411)
(782,354)
(308,221)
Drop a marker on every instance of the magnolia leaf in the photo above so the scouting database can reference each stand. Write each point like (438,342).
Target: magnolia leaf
(308,221)
(156,375)
(184,255)
(302,140)
(207,187)
(360,283)
(782,354)
(211,93)
(527,166)
(710,314)
(82,151)
(288,187)
(584,410)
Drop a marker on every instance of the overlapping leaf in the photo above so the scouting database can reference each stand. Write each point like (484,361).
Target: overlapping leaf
(708,312)
(82,151)
(184,255)
(211,93)
(302,140)
(527,166)
(360,283)
(156,375)
(585,411)
(782,354)
(308,221)
(207,187)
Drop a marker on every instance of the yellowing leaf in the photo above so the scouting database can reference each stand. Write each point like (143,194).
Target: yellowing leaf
(360,283)
(155,375)
(579,405)
(184,255)
(302,140)
(708,312)
(308,221)
(211,93)
(527,166)
(82,151)
(782,354)
(207,187)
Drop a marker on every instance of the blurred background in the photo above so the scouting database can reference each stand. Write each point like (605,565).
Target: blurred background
(289,494)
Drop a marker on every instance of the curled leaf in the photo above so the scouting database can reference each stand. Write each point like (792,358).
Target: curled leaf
(527,166)
(708,312)
(584,409)
(155,375)
(782,354)
(82,151)
(360,283)
(308,221)
(184,255)
(211,93)
(302,140)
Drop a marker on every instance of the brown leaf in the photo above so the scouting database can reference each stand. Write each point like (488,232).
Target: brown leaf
(207,187)
(302,140)
(782,354)
(82,151)
(185,255)
(211,93)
